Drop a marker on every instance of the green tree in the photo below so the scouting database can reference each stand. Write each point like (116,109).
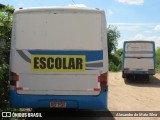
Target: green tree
(112,36)
(115,63)
(158,59)
(115,56)
(5,35)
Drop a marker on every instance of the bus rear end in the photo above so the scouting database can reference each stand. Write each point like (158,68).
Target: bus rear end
(59,59)
(138,59)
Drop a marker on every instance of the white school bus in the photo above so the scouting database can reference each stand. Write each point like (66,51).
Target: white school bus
(138,59)
(59,58)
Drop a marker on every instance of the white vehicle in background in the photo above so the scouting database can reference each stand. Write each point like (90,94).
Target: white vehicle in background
(59,58)
(138,59)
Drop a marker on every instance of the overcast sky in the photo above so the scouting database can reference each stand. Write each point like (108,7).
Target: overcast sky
(135,19)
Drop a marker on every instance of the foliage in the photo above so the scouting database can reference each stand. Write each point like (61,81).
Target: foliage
(158,59)
(112,36)
(5,34)
(115,63)
(114,55)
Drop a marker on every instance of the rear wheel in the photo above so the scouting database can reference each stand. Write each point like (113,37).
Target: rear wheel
(146,79)
(123,75)
(127,79)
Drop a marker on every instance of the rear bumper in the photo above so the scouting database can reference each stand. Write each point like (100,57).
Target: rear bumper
(43,101)
(138,72)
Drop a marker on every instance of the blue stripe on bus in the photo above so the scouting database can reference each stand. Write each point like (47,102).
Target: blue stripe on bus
(90,55)
(142,41)
(98,102)
(138,52)
(140,57)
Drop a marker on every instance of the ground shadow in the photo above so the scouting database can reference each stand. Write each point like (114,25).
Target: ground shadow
(153,82)
(72,114)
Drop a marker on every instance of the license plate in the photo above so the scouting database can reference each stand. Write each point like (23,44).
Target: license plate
(58,104)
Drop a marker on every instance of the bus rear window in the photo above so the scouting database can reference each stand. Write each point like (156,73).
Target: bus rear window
(139,46)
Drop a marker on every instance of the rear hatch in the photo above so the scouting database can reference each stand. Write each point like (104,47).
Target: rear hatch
(58,84)
(139,56)
(52,74)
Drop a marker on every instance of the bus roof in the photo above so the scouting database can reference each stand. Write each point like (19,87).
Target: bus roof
(69,9)
(136,41)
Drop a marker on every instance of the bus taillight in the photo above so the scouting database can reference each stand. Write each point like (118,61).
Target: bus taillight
(14,78)
(103,81)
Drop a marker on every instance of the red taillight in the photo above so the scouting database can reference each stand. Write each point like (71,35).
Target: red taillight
(18,88)
(103,81)
(96,89)
(14,78)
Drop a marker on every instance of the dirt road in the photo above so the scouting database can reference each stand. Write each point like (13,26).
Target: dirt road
(134,96)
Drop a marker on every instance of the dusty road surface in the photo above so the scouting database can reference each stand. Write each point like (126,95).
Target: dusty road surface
(134,95)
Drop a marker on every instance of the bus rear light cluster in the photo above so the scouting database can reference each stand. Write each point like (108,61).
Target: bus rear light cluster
(103,81)
(14,78)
